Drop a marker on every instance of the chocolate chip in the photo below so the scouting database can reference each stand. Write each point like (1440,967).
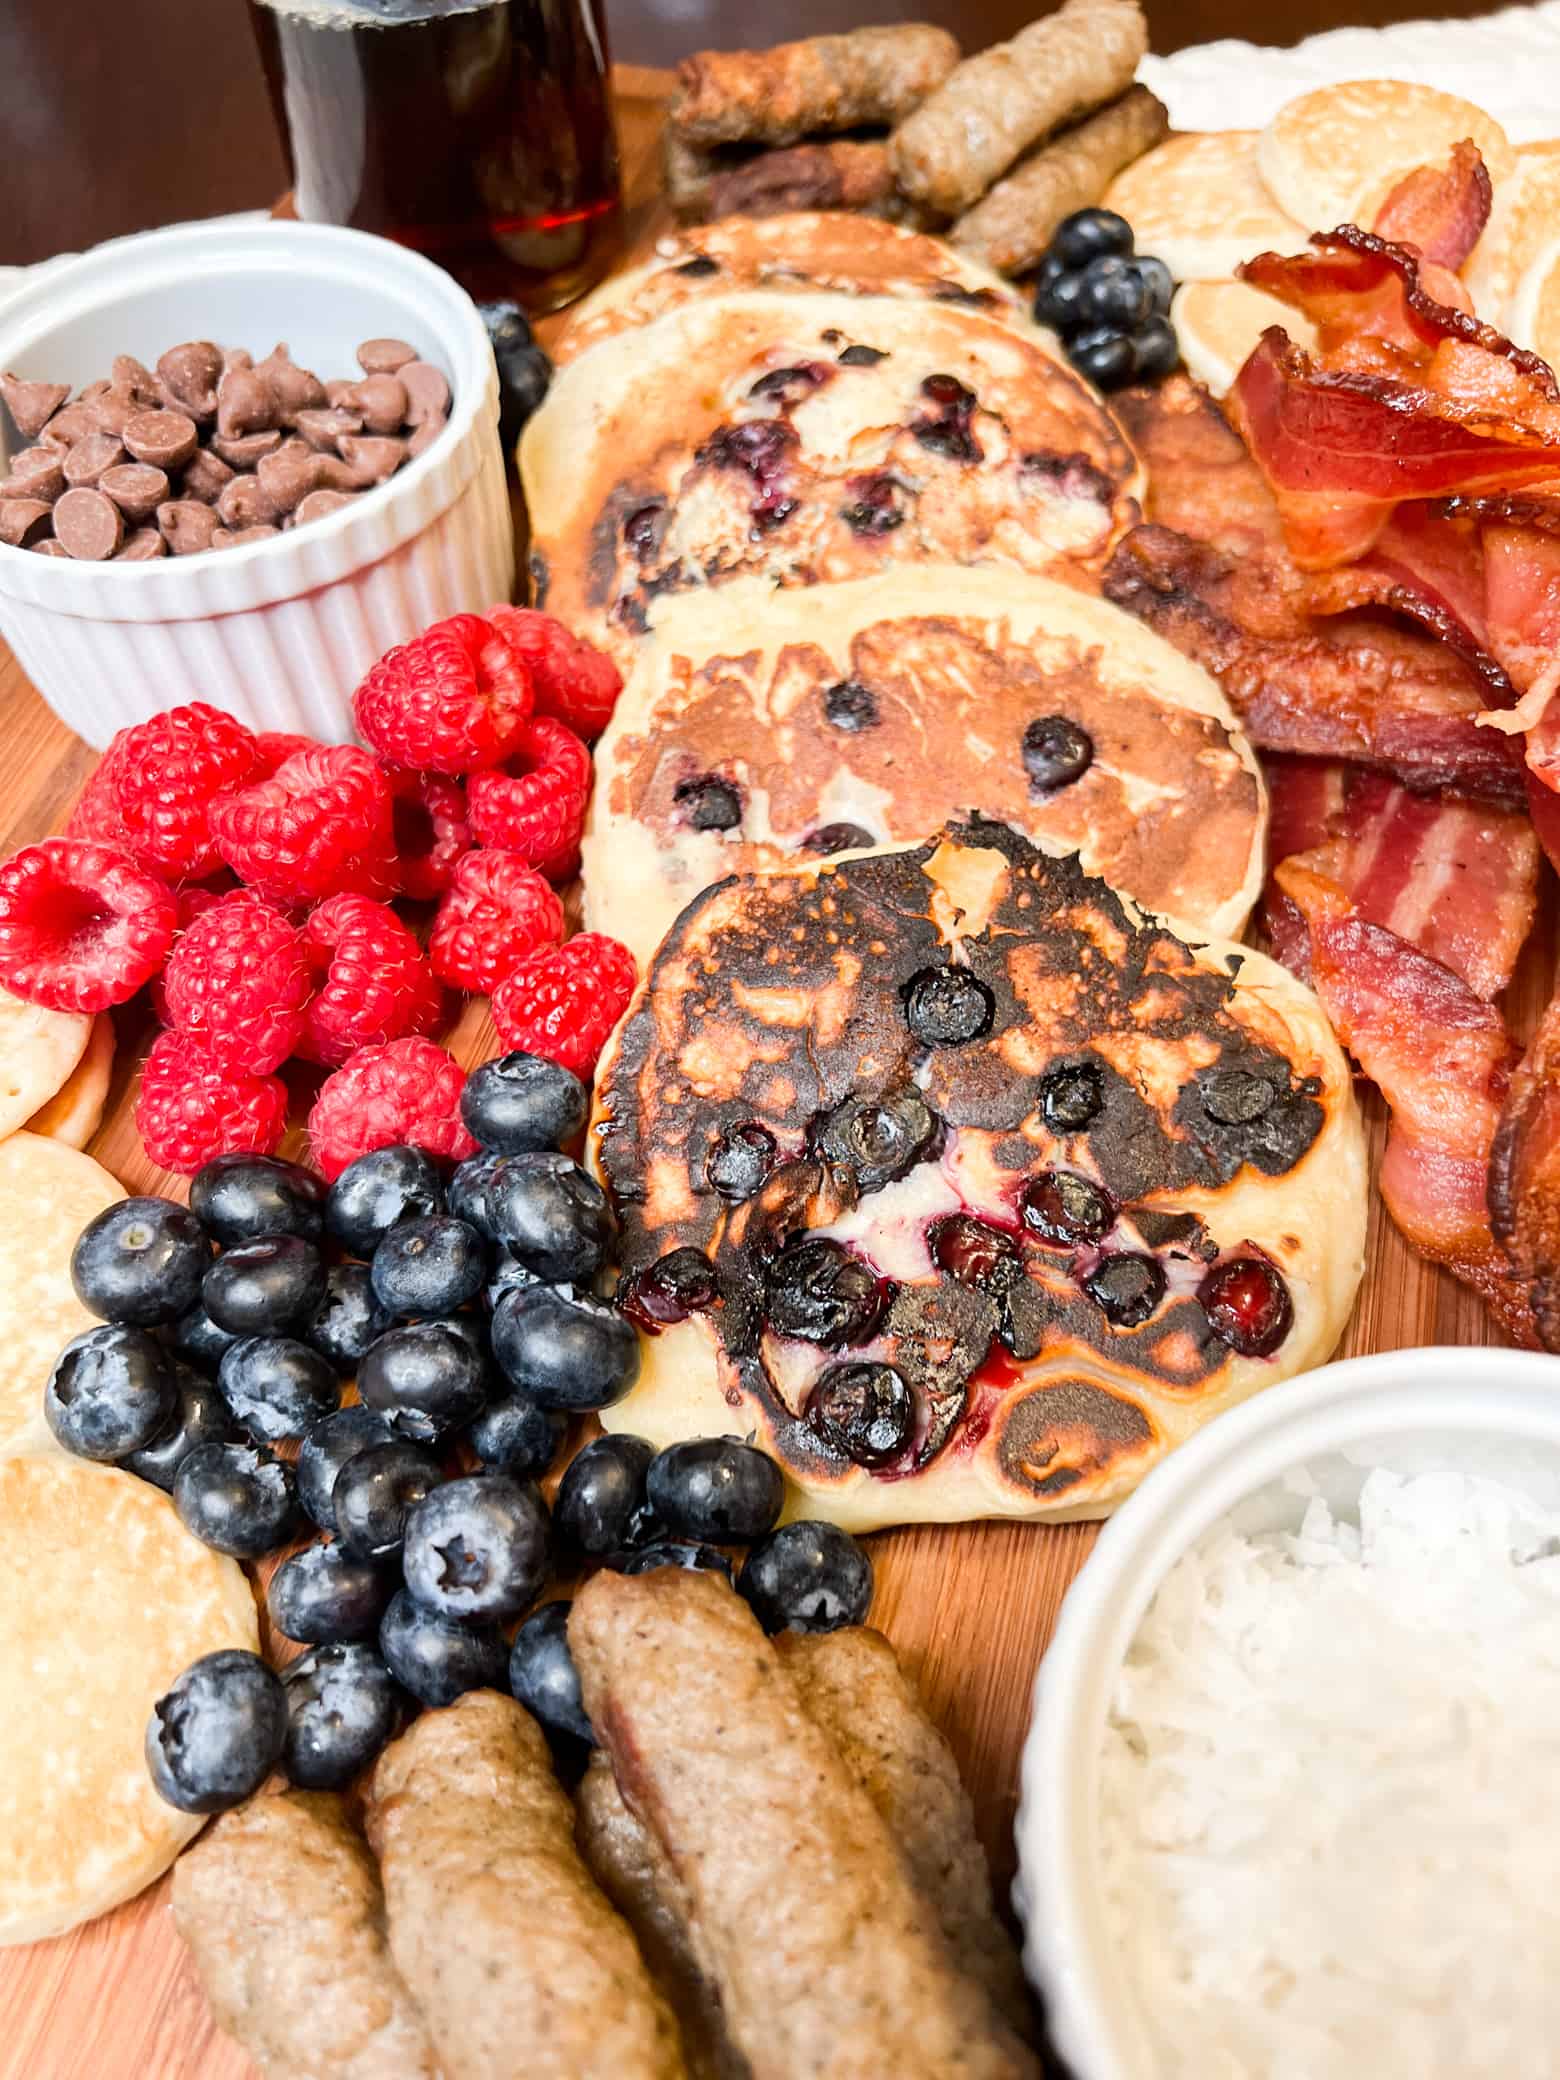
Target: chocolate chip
(236,537)
(190,374)
(245,404)
(244,503)
(246,449)
(286,479)
(294,389)
(74,423)
(31,405)
(424,436)
(134,376)
(319,503)
(141,547)
(186,525)
(23,521)
(323,428)
(166,440)
(88,525)
(35,473)
(86,462)
(427,391)
(384,356)
(48,547)
(850,706)
(382,402)
(113,408)
(137,489)
(204,476)
(371,458)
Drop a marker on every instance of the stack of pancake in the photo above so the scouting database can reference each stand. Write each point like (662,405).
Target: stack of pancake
(840,510)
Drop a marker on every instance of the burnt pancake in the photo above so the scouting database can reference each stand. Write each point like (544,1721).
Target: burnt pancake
(810,439)
(758,728)
(801,252)
(965,1188)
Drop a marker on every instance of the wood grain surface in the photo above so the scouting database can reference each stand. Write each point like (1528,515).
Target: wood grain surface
(970,1608)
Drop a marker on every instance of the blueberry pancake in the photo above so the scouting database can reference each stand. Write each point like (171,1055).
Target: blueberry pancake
(802,252)
(808,439)
(760,728)
(964,1187)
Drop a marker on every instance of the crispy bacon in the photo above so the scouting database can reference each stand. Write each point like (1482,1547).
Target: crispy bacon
(1201,481)
(1441,211)
(1443,1060)
(1373,694)
(1524,1181)
(1457,880)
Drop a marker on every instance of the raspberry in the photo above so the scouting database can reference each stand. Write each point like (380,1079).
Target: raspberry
(564,1004)
(372,982)
(191,900)
(536,804)
(273,748)
(319,826)
(97,816)
(448,701)
(237,979)
(571,678)
(167,773)
(408,1090)
(189,1110)
(431,831)
(499,910)
(81,927)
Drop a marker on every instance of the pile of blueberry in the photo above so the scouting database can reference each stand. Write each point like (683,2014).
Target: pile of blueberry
(466,1311)
(1110,305)
(524,371)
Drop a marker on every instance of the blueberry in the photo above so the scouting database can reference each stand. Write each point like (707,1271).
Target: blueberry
(974,1252)
(507,1274)
(439,1659)
(429,1266)
(426,1377)
(466,1197)
(238,1198)
(236,1498)
(343,1705)
(1155,349)
(740,1160)
(1104,356)
(1236,1097)
(215,1737)
(600,1506)
(140,1261)
(1072,1097)
(820,1293)
(566,1350)
(715,1490)
(374,1491)
(326,1449)
(551,1216)
(832,838)
(514,1434)
(1063,1208)
(1126,1288)
(1059,303)
(1248,1305)
(945,1007)
(1056,752)
(1087,232)
(864,1412)
(542,1674)
(348,1318)
(1116,293)
(507,326)
(477,1547)
(709,803)
(1160,282)
(879,1138)
(110,1393)
(673,1552)
(681,1283)
(523,1102)
(524,378)
(264,1288)
(197,1337)
(200,1416)
(277,1387)
(808,1577)
(850,706)
(324,1593)
(379,1189)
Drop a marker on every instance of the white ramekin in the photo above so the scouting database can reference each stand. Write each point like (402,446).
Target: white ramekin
(279,632)
(1489,1412)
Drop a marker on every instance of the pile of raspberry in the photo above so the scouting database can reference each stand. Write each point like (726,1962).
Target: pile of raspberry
(250,882)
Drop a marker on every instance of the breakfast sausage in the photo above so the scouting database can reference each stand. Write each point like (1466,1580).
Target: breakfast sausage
(823,83)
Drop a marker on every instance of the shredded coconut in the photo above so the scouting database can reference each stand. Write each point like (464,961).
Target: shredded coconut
(1328,1795)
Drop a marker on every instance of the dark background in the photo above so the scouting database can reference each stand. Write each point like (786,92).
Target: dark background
(120,114)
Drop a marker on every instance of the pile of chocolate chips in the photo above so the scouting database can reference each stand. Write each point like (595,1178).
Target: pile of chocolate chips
(210,450)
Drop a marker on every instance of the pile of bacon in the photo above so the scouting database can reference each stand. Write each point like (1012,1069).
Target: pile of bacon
(1366,555)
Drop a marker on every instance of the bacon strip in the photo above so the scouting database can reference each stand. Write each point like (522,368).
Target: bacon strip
(1440,211)
(1443,1060)
(1524,1182)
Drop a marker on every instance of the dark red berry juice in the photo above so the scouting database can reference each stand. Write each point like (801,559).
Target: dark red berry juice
(478,131)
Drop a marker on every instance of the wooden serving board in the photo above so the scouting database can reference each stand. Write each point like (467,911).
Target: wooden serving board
(969,1607)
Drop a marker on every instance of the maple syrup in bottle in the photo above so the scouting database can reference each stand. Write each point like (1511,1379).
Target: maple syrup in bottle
(478,131)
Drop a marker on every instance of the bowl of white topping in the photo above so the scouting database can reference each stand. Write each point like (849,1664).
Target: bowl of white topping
(1286,1788)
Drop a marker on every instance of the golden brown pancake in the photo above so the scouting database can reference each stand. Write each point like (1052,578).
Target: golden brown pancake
(1074,1181)
(759,728)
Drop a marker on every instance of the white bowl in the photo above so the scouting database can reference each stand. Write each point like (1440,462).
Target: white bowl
(1489,1412)
(281,631)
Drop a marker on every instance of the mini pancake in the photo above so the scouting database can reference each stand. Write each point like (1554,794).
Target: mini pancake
(75,1112)
(802,252)
(807,440)
(1533,315)
(1200,204)
(1219,323)
(867,714)
(107,1600)
(38,1050)
(1523,221)
(48,1193)
(1333,156)
(767,1094)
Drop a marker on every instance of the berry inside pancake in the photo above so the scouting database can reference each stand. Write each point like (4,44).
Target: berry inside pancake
(964,1187)
(759,729)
